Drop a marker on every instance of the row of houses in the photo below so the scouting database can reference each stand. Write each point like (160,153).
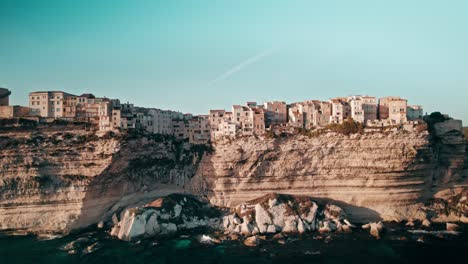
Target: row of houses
(107,114)
(253,119)
(243,120)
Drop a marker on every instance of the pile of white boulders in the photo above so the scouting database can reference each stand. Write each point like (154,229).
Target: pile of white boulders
(164,216)
(277,213)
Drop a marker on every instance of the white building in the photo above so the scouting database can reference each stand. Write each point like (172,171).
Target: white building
(341,110)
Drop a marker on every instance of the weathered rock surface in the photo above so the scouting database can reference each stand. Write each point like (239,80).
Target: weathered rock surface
(374,228)
(252,241)
(374,176)
(54,181)
(279,213)
(57,181)
(165,216)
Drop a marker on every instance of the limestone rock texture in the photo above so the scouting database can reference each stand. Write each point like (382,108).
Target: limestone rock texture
(55,181)
(165,216)
(372,176)
(59,179)
(279,213)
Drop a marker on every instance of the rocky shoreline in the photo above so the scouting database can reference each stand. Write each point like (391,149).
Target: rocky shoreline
(272,217)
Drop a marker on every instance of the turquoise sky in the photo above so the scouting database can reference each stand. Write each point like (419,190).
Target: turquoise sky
(196,55)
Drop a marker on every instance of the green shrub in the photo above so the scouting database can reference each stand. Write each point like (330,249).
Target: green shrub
(348,127)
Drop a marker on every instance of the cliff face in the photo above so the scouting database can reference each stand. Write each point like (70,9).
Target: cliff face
(60,181)
(372,176)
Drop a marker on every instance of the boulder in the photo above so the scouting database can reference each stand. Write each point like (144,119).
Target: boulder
(325,227)
(310,216)
(346,229)
(333,212)
(252,241)
(301,227)
(271,229)
(375,229)
(177,210)
(290,224)
(246,228)
(152,226)
(226,221)
(262,218)
(451,227)
(426,222)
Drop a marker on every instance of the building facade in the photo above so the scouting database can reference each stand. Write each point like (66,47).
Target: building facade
(199,132)
(216,119)
(393,109)
(49,103)
(341,110)
(276,113)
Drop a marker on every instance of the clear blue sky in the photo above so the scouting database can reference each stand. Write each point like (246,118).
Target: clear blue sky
(196,55)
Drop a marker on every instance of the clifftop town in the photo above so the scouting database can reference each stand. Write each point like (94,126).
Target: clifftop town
(243,120)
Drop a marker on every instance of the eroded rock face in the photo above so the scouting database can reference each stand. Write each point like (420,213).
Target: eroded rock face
(60,180)
(57,181)
(374,176)
(278,213)
(165,216)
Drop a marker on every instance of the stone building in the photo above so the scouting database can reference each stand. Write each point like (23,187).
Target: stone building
(356,107)
(4,97)
(181,128)
(296,115)
(393,109)
(258,120)
(369,106)
(341,109)
(249,119)
(317,113)
(216,119)
(276,113)
(49,103)
(363,108)
(199,129)
(414,112)
(12,111)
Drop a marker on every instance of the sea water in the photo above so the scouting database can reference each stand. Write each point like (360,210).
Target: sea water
(358,247)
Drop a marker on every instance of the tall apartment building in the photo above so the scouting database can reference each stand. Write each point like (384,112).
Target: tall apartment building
(199,129)
(276,113)
(4,97)
(341,110)
(296,115)
(363,108)
(369,106)
(49,103)
(393,108)
(216,119)
(249,119)
(317,113)
(356,108)
(258,120)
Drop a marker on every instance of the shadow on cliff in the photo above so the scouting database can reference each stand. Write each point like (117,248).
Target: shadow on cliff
(138,173)
(358,214)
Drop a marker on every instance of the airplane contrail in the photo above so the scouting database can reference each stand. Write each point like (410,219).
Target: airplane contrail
(241,65)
